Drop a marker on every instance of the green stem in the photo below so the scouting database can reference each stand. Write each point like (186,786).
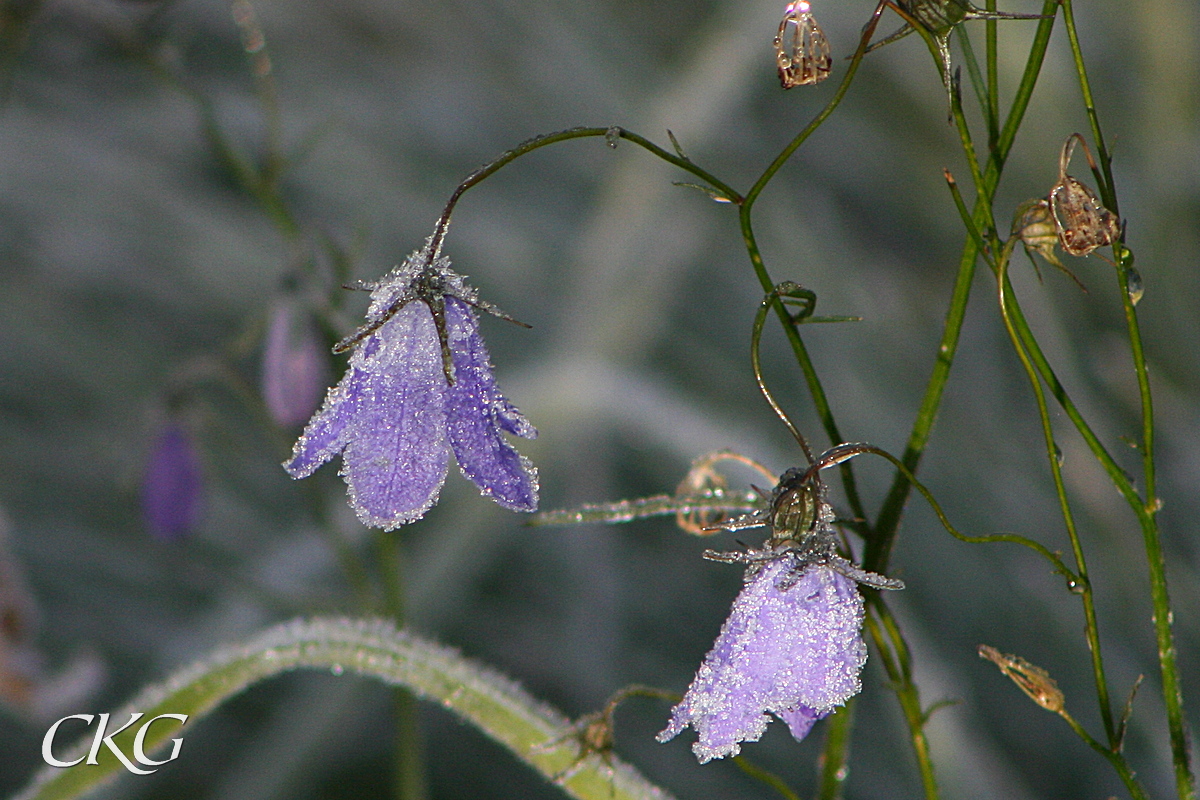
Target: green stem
(535,733)
(1118,762)
(746,204)
(835,757)
(409,759)
(529,145)
(1108,192)
(897,662)
(1081,583)
(878,550)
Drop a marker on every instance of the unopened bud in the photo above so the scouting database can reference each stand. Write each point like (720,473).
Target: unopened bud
(294,365)
(172,485)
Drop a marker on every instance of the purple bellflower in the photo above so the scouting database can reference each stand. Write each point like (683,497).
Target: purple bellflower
(792,646)
(419,384)
(171,487)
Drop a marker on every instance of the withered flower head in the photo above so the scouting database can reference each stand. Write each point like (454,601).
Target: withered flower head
(1082,221)
(801,49)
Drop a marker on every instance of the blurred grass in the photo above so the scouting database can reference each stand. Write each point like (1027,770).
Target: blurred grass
(130,263)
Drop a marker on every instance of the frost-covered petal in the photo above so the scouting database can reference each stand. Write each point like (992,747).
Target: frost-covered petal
(328,431)
(387,418)
(795,653)
(475,414)
(394,460)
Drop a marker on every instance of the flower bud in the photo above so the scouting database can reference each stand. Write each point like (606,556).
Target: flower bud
(172,485)
(1034,225)
(294,367)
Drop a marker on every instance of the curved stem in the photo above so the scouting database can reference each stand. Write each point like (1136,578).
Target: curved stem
(1083,584)
(535,733)
(760,319)
(894,654)
(843,87)
(813,381)
(529,145)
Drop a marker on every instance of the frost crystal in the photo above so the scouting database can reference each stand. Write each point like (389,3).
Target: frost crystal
(791,647)
(419,380)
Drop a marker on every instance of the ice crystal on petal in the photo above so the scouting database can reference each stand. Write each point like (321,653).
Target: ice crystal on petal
(792,647)
(476,413)
(419,383)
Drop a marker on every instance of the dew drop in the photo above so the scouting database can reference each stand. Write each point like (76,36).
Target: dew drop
(1133,285)
(612,136)
(1058,454)
(337,669)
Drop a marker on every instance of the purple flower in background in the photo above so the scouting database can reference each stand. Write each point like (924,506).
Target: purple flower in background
(792,647)
(293,366)
(418,385)
(172,485)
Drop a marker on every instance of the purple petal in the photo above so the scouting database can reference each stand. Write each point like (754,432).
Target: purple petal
(171,488)
(794,653)
(476,412)
(387,417)
(800,720)
(327,433)
(293,366)
(395,460)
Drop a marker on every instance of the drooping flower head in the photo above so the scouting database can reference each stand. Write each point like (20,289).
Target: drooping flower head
(419,384)
(792,646)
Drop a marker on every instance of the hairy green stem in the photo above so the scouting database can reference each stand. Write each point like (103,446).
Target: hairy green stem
(538,735)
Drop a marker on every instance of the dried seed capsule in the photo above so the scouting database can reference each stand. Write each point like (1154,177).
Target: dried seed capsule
(1082,221)
(1034,225)
(801,49)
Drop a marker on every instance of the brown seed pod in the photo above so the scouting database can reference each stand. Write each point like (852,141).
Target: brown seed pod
(1082,221)
(801,49)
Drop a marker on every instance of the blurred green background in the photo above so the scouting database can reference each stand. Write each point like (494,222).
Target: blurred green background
(133,267)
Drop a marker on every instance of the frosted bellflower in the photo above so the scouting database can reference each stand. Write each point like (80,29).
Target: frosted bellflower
(792,645)
(419,384)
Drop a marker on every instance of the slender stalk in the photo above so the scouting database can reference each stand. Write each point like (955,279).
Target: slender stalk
(833,768)
(1118,762)
(1146,510)
(408,767)
(537,142)
(897,662)
(1082,583)
(879,548)
(746,205)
